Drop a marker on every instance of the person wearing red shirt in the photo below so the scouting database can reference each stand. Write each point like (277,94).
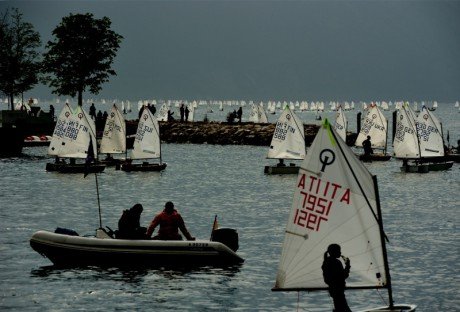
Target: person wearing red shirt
(170,221)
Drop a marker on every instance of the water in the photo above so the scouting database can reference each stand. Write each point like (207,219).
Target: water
(420,218)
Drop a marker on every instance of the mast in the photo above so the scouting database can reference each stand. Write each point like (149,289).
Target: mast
(382,240)
(386,140)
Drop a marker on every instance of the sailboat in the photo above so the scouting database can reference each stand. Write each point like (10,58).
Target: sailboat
(341,124)
(336,201)
(114,136)
(418,141)
(73,137)
(375,125)
(147,145)
(257,114)
(288,142)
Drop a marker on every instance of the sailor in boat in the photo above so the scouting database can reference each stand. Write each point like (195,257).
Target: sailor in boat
(281,163)
(129,224)
(170,221)
(186,111)
(367,146)
(335,275)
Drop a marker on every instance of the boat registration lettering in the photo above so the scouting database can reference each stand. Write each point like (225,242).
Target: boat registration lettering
(198,244)
(281,130)
(316,200)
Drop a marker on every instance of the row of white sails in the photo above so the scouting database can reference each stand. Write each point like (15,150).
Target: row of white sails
(75,134)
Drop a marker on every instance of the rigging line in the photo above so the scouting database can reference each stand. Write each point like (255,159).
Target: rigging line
(356,180)
(295,121)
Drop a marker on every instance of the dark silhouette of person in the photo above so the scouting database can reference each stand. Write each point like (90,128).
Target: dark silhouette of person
(281,163)
(52,111)
(367,146)
(153,109)
(182,112)
(105,115)
(92,111)
(99,115)
(239,114)
(170,115)
(334,275)
(186,112)
(170,221)
(129,224)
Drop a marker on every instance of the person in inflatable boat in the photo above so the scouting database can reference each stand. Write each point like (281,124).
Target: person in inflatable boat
(170,221)
(129,224)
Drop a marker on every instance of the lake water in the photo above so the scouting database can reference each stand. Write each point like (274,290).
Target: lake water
(420,218)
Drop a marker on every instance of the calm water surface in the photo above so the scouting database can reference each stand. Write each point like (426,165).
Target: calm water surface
(420,218)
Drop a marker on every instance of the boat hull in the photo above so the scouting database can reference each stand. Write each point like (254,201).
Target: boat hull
(67,250)
(76,168)
(395,308)
(427,167)
(292,169)
(375,157)
(146,167)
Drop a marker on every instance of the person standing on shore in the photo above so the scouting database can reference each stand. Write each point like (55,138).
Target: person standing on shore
(187,111)
(239,114)
(182,112)
(92,111)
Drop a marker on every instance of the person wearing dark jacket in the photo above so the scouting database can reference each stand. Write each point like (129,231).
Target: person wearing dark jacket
(367,146)
(129,224)
(334,275)
(170,221)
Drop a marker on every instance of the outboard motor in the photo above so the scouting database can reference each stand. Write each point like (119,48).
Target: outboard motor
(226,236)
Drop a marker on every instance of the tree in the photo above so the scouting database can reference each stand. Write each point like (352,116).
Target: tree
(19,63)
(81,55)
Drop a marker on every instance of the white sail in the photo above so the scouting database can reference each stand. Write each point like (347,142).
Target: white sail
(334,202)
(375,126)
(288,141)
(257,113)
(114,135)
(147,141)
(72,134)
(340,125)
(405,144)
(261,115)
(253,113)
(429,134)
(162,114)
(191,113)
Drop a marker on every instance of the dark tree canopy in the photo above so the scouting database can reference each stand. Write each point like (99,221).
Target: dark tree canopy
(81,56)
(19,62)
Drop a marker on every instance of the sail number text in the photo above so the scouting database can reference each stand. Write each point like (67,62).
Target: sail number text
(281,130)
(317,197)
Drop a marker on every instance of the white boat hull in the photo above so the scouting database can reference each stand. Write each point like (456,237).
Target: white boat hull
(67,250)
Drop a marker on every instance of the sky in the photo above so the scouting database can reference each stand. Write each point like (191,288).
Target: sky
(272,50)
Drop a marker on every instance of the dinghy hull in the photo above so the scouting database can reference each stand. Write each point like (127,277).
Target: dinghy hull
(292,169)
(67,250)
(77,168)
(142,167)
(375,157)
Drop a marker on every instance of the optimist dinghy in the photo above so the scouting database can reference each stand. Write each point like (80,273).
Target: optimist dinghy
(68,249)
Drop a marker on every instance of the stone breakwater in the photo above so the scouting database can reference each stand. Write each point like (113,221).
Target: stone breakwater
(223,133)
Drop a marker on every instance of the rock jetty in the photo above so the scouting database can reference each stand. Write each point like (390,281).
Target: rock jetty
(221,133)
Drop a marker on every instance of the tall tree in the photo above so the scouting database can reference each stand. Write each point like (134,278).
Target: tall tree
(81,55)
(19,58)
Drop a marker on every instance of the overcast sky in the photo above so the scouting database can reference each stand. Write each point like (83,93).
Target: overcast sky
(273,50)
